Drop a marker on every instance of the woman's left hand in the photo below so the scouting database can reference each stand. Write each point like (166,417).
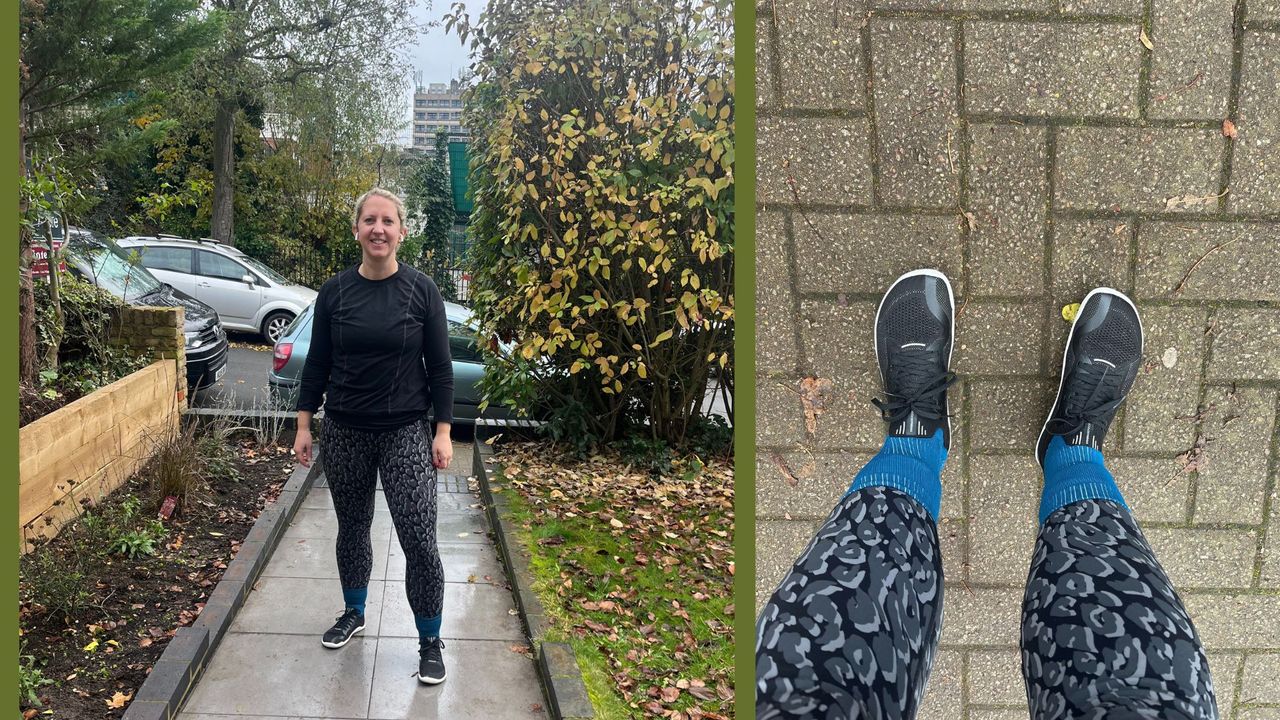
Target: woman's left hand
(442,450)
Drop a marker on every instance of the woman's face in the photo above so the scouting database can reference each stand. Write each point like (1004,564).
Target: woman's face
(378,228)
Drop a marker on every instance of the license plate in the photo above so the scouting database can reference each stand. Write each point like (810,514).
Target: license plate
(220,372)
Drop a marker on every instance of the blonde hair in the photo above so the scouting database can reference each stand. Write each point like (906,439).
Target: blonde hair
(380,192)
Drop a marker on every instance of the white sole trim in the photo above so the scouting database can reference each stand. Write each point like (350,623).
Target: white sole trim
(335,646)
(432,681)
(1062,375)
(951,298)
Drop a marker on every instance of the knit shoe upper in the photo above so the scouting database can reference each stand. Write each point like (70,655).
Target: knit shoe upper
(1101,361)
(914,335)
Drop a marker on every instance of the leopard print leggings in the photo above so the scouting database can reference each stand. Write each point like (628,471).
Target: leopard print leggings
(353,461)
(852,630)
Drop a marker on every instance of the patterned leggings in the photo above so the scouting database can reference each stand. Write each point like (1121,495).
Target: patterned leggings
(353,461)
(852,630)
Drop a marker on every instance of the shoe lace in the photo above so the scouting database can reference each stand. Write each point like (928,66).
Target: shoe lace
(430,649)
(347,620)
(1095,396)
(919,372)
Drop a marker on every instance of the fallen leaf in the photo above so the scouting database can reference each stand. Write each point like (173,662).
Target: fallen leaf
(813,396)
(1170,357)
(1146,41)
(1228,128)
(118,700)
(615,522)
(670,694)
(1189,202)
(1069,311)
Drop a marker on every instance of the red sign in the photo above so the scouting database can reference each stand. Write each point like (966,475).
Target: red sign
(40,259)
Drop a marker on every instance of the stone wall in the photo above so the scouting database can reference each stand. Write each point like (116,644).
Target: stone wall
(155,332)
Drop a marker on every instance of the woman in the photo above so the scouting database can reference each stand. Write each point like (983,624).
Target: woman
(380,349)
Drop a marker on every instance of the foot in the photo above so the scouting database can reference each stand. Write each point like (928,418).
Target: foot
(349,623)
(915,330)
(1104,351)
(431,662)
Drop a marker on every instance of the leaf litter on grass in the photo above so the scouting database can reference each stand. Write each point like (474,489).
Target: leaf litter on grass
(636,570)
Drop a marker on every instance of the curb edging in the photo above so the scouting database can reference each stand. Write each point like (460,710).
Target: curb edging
(556,665)
(174,675)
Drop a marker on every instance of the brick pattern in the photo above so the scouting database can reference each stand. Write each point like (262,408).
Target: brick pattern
(1032,150)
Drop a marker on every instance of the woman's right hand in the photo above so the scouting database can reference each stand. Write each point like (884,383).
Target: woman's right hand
(302,447)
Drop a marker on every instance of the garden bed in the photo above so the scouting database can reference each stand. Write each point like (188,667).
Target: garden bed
(93,620)
(635,571)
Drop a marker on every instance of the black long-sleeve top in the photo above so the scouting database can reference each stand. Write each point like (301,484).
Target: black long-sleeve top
(380,350)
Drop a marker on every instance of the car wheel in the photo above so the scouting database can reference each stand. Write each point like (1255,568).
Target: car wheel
(274,326)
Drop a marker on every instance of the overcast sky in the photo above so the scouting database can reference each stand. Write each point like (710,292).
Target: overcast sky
(438,56)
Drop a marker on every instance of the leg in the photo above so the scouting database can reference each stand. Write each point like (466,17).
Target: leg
(350,463)
(1104,635)
(409,480)
(852,630)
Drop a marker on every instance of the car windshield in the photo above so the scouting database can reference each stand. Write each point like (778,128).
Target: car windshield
(272,275)
(112,269)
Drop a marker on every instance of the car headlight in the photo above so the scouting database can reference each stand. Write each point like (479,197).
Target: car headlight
(193,339)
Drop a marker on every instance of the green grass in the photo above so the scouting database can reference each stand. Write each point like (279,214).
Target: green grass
(646,606)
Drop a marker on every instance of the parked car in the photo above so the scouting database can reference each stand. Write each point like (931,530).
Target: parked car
(290,354)
(247,294)
(93,257)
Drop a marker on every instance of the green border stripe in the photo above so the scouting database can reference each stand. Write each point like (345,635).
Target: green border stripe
(744,360)
(9,358)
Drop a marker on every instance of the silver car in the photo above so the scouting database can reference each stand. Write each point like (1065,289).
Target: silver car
(247,294)
(290,355)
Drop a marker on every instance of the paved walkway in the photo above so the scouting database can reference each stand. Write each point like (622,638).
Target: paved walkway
(271,664)
(1032,149)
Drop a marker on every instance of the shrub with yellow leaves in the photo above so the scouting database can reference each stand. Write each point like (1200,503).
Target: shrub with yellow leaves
(602,175)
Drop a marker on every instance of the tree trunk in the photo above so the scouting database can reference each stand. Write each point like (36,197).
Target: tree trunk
(27,367)
(224,171)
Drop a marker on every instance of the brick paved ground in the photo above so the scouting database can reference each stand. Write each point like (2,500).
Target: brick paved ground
(1032,150)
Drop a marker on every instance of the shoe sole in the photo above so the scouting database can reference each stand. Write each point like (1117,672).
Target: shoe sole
(1062,370)
(951,298)
(335,646)
(431,681)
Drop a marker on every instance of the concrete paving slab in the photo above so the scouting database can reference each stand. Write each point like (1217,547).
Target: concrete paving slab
(1038,68)
(1003,531)
(765,53)
(995,678)
(838,336)
(778,544)
(866,253)
(302,606)
(814,160)
(486,681)
(1200,557)
(1208,261)
(982,616)
(944,695)
(1263,10)
(288,675)
(1233,482)
(1138,169)
(999,338)
(472,611)
(779,414)
(850,420)
(803,485)
(915,104)
(1160,414)
(469,527)
(1260,673)
(461,560)
(1089,254)
(1255,169)
(1009,413)
(1007,186)
(314,523)
(1131,8)
(1155,490)
(1235,621)
(1244,343)
(1190,59)
(820,55)
(1270,570)
(776,326)
(315,558)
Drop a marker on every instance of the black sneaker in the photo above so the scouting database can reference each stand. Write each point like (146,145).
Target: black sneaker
(349,623)
(915,331)
(1104,352)
(430,663)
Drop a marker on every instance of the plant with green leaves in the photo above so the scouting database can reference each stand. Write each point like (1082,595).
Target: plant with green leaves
(428,202)
(30,679)
(602,174)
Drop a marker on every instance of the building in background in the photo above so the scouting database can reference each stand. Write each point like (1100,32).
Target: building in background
(436,106)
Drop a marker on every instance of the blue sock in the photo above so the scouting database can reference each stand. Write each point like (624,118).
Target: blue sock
(912,465)
(1074,472)
(427,627)
(355,598)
